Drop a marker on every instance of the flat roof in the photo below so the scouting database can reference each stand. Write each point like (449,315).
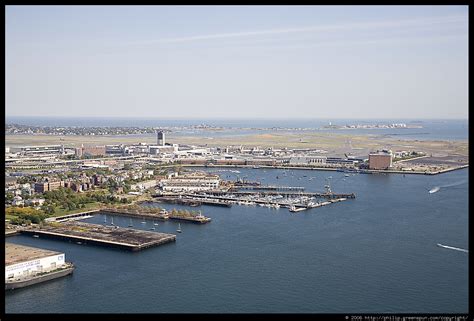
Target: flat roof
(15,253)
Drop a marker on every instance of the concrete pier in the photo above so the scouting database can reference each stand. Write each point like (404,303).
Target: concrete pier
(124,238)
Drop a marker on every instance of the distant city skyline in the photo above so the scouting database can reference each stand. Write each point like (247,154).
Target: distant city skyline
(219,62)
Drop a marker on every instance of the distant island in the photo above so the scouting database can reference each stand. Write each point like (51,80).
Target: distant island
(370,126)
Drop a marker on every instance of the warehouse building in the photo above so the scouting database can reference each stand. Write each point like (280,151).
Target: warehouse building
(24,261)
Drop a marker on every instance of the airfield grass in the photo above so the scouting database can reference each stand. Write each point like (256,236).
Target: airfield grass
(332,143)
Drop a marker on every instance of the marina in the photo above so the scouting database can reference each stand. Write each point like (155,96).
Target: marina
(326,236)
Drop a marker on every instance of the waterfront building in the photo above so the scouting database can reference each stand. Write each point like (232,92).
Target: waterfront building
(191,182)
(307,160)
(380,159)
(22,261)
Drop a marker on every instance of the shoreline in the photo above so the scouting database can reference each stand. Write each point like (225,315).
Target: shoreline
(365,171)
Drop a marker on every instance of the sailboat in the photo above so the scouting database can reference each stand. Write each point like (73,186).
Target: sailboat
(179,228)
(105,219)
(131,224)
(112,223)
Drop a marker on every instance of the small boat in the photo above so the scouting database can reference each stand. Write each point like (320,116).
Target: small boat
(434,190)
(179,228)
(295,209)
(152,228)
(112,223)
(346,175)
(131,224)
(36,235)
(79,243)
(156,224)
(143,222)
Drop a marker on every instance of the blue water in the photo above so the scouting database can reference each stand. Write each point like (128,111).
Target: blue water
(432,129)
(376,253)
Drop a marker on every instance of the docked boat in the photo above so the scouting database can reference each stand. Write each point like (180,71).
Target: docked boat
(297,209)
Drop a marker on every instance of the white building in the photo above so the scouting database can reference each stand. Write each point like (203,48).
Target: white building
(144,185)
(308,160)
(35,201)
(194,182)
(17,201)
(23,261)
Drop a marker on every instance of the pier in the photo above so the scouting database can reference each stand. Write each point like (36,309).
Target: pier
(269,188)
(123,238)
(269,193)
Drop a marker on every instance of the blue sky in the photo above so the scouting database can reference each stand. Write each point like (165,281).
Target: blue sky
(237,61)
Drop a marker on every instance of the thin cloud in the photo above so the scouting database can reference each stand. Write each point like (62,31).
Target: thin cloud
(347,26)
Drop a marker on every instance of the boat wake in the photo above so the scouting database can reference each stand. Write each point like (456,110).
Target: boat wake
(437,188)
(452,248)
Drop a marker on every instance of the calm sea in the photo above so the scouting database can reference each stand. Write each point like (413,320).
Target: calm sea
(376,253)
(432,129)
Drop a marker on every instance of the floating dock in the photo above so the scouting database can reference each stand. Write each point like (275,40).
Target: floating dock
(85,233)
(270,188)
(286,194)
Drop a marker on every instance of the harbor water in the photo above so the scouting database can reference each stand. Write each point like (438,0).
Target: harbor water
(376,253)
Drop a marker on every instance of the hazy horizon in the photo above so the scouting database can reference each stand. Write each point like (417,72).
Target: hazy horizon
(231,118)
(237,62)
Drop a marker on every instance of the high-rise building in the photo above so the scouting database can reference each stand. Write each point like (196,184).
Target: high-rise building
(380,159)
(160,138)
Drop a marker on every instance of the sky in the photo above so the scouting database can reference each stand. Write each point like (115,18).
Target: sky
(202,62)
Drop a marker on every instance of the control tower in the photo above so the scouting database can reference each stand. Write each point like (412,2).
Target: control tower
(160,138)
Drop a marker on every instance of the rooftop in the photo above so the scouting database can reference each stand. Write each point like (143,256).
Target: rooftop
(15,253)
